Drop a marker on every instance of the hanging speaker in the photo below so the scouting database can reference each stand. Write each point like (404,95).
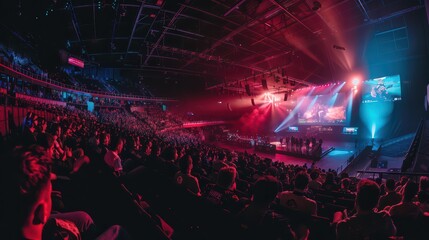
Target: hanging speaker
(264,84)
(247,89)
(285,98)
(253,102)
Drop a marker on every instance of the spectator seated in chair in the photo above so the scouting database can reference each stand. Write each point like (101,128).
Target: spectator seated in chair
(296,199)
(391,198)
(112,158)
(315,183)
(407,208)
(223,193)
(257,220)
(407,215)
(185,179)
(28,204)
(423,195)
(366,223)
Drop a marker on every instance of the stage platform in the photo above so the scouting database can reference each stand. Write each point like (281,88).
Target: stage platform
(337,159)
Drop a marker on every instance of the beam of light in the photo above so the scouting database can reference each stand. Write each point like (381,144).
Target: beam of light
(339,87)
(293,113)
(377,115)
(332,100)
(335,93)
(254,121)
(299,43)
(349,106)
(312,103)
(290,116)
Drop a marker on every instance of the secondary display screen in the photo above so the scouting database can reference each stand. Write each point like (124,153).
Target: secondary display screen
(350,130)
(292,129)
(383,89)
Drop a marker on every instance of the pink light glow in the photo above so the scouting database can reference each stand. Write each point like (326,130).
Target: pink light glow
(76,62)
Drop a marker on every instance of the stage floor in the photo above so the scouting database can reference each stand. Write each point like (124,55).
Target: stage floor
(336,159)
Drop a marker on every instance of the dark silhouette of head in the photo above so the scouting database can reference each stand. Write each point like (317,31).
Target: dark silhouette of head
(27,198)
(301,180)
(410,191)
(265,190)
(226,177)
(368,193)
(390,184)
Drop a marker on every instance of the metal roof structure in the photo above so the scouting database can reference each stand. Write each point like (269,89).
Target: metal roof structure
(224,43)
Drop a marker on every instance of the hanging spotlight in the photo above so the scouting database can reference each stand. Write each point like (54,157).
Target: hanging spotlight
(99,4)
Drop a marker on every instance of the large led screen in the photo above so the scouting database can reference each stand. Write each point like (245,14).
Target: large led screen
(383,89)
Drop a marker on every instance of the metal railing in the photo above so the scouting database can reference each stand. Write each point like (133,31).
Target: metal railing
(394,174)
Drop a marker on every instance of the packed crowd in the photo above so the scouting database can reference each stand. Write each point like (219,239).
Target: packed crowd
(131,86)
(16,58)
(66,75)
(192,185)
(158,119)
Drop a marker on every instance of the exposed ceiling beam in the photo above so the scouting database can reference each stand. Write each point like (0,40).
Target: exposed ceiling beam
(111,53)
(124,4)
(236,6)
(257,35)
(93,18)
(75,23)
(172,21)
(280,29)
(270,58)
(116,19)
(245,14)
(290,15)
(161,69)
(152,23)
(363,9)
(197,19)
(231,34)
(184,31)
(136,21)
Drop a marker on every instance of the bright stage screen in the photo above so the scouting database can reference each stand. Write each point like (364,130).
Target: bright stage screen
(323,109)
(384,89)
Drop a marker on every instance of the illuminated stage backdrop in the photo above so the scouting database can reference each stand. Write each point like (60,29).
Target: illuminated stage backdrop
(323,110)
